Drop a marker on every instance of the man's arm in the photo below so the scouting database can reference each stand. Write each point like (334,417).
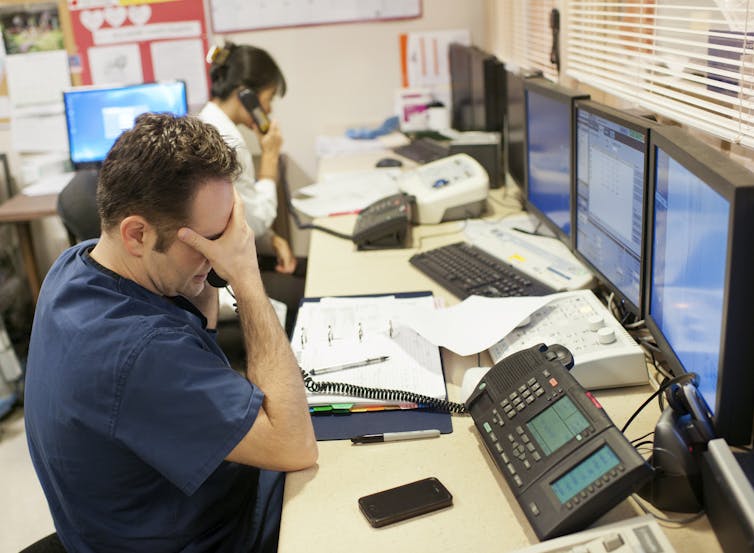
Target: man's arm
(282,436)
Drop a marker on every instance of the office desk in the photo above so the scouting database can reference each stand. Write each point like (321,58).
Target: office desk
(22,210)
(320,510)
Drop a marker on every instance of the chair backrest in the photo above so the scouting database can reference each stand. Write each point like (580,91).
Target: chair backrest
(48,544)
(77,206)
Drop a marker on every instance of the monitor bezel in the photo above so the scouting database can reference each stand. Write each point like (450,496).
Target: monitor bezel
(90,89)
(638,124)
(734,400)
(562,94)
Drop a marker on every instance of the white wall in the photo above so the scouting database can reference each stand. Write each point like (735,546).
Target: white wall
(346,75)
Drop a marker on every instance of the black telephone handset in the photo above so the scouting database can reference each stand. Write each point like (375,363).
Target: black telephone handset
(384,223)
(250,101)
(563,458)
(214,280)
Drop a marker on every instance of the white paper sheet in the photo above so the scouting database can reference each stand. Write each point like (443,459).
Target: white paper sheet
(51,184)
(182,59)
(37,77)
(474,324)
(346,192)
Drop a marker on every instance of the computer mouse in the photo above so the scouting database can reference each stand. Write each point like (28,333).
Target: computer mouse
(388,162)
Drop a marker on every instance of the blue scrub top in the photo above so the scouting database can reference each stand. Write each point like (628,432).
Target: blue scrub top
(131,408)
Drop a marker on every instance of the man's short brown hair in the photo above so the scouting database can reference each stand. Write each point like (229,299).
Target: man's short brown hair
(155,169)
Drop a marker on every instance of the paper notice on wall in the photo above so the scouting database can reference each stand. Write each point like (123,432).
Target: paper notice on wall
(37,77)
(176,59)
(424,58)
(115,64)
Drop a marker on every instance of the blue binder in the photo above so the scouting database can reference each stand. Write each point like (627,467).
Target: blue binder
(343,426)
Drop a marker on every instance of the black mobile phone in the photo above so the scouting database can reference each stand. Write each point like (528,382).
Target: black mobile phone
(250,101)
(406,501)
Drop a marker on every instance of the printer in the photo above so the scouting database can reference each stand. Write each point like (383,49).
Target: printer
(450,188)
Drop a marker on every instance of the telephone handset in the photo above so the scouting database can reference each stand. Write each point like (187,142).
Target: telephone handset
(214,280)
(384,223)
(250,101)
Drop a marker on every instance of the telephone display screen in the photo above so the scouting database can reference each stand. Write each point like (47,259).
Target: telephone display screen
(585,473)
(557,425)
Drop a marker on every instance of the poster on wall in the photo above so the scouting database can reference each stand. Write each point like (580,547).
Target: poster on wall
(132,41)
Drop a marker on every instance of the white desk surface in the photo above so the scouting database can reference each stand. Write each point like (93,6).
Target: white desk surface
(320,510)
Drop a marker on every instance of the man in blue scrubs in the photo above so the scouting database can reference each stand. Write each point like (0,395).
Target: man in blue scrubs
(142,435)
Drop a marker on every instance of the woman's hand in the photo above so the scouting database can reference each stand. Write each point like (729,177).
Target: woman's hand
(286,260)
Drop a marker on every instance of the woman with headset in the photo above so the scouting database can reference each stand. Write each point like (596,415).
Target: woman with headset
(245,80)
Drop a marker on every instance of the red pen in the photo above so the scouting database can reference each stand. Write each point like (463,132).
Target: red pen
(352,212)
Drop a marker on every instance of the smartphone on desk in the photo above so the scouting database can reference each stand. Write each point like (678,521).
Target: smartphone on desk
(250,101)
(406,501)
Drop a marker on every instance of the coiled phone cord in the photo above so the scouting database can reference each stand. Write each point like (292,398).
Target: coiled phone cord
(344,389)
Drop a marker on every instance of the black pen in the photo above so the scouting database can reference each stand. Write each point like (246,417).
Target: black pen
(395,436)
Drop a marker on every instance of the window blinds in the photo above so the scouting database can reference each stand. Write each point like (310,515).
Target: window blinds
(692,61)
(528,37)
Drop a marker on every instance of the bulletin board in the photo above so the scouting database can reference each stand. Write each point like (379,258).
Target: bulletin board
(134,41)
(248,15)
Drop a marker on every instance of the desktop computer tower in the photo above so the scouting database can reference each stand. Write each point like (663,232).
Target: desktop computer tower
(485,148)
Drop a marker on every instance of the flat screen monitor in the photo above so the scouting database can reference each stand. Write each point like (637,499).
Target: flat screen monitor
(96,116)
(548,153)
(513,130)
(612,156)
(459,61)
(700,270)
(494,96)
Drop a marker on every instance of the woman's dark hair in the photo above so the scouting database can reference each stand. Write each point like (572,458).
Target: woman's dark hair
(155,169)
(243,65)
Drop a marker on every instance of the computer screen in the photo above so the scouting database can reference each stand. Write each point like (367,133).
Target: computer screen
(96,116)
(513,131)
(612,154)
(700,270)
(459,61)
(548,126)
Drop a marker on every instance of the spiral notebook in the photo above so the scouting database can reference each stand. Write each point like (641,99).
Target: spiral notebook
(333,331)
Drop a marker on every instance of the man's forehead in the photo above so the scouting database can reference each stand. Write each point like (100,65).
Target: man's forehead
(211,207)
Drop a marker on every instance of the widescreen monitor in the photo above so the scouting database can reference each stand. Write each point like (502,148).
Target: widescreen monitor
(513,130)
(96,116)
(459,61)
(700,270)
(610,173)
(548,153)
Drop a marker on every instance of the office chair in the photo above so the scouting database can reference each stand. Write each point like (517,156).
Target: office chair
(77,207)
(48,544)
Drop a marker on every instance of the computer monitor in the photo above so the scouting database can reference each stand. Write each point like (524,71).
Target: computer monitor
(548,155)
(96,116)
(610,174)
(494,95)
(700,273)
(459,61)
(513,129)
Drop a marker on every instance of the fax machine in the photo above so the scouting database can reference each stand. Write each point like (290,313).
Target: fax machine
(447,189)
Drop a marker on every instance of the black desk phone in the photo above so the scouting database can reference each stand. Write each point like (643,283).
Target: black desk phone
(384,223)
(563,458)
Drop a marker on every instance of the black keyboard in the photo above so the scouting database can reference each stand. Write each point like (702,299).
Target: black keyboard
(466,270)
(422,150)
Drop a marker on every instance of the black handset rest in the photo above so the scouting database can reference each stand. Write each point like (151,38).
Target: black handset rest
(384,223)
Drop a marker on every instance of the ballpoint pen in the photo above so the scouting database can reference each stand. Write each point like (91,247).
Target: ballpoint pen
(353,365)
(395,436)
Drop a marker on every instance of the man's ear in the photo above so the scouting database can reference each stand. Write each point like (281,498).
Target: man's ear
(136,234)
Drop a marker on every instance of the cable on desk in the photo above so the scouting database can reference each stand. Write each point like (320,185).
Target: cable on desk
(307,226)
(643,505)
(675,380)
(344,389)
